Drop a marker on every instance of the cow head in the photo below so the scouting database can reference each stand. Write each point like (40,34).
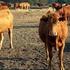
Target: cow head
(52,22)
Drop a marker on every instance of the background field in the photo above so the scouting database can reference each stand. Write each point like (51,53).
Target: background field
(29,51)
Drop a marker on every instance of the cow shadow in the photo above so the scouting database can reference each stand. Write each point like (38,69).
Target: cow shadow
(13,58)
(67,47)
(1,65)
(26,26)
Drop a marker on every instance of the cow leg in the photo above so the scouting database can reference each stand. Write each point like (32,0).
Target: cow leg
(10,37)
(50,57)
(47,53)
(1,40)
(27,7)
(61,49)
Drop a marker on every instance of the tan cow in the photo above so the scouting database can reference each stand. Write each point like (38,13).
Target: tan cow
(6,24)
(24,5)
(53,31)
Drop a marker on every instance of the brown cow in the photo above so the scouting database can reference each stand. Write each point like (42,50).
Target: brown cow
(6,20)
(57,5)
(53,32)
(4,4)
(62,9)
(16,5)
(65,10)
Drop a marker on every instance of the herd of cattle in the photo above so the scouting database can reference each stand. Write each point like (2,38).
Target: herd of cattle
(53,29)
(23,5)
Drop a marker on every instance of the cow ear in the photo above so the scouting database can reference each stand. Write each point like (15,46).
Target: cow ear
(44,18)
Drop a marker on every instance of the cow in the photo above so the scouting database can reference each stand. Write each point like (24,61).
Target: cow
(57,5)
(22,5)
(16,5)
(6,24)
(2,3)
(65,10)
(53,32)
(25,5)
(62,9)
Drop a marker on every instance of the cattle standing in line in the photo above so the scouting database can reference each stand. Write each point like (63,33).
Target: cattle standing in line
(6,23)
(53,31)
(23,5)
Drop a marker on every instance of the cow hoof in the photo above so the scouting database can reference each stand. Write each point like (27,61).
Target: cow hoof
(11,46)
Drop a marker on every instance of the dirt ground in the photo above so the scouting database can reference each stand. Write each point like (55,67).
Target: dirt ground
(29,51)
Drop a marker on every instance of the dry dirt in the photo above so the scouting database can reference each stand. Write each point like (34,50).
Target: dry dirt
(29,51)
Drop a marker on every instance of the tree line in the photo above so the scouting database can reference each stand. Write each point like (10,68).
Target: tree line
(37,1)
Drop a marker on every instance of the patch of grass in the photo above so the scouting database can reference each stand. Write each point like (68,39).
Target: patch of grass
(29,16)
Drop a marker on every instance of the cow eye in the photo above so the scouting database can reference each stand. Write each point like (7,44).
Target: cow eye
(61,18)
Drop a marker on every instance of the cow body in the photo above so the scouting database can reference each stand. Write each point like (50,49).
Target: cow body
(53,33)
(6,24)
(65,10)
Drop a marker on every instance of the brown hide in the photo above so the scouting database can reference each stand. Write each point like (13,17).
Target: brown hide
(65,10)
(60,27)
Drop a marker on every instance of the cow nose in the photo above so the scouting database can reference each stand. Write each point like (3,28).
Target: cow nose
(55,33)
(52,33)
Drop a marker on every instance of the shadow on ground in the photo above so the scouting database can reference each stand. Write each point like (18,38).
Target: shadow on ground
(67,47)
(26,26)
(1,65)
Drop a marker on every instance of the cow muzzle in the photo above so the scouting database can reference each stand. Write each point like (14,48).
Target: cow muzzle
(53,34)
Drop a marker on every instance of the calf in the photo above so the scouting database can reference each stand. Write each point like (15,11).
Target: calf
(53,32)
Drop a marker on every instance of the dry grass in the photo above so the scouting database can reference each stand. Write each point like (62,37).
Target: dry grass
(29,16)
